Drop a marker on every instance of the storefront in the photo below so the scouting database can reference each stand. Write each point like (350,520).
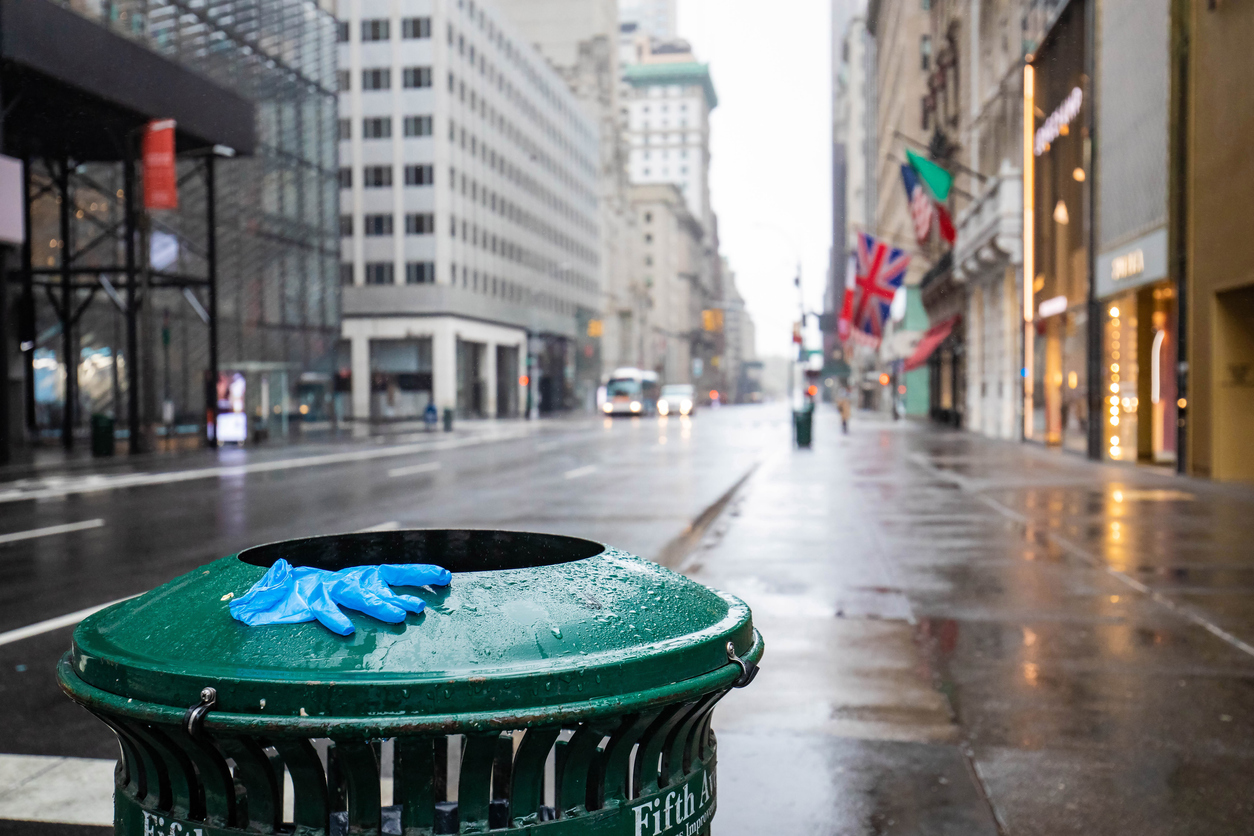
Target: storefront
(1056,246)
(1134,285)
(1139,354)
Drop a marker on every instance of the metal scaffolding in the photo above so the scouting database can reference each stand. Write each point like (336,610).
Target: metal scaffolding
(256,273)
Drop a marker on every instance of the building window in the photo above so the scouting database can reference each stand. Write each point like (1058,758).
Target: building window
(376,176)
(421,223)
(648,261)
(419,175)
(379,78)
(375,225)
(925,52)
(927,5)
(417,126)
(344,81)
(346,178)
(346,129)
(341,31)
(375,30)
(346,225)
(648,237)
(417,76)
(378,127)
(380,272)
(420,272)
(416,27)
(648,217)
(346,274)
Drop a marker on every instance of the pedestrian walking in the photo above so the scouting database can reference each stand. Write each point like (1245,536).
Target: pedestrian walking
(845,408)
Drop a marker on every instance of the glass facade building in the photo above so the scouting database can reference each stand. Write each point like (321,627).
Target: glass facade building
(278,296)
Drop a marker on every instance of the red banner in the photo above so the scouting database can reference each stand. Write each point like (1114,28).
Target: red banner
(160,177)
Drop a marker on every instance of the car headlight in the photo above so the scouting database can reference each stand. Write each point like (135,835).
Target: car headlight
(663,408)
(635,406)
(607,407)
(685,406)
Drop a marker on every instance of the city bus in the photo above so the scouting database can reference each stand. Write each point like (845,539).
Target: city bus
(631,392)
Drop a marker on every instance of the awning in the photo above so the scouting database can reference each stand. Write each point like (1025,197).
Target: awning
(931,338)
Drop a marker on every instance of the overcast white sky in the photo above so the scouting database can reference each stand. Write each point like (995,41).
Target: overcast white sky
(771,144)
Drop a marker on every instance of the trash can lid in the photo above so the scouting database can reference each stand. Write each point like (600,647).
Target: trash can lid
(532,625)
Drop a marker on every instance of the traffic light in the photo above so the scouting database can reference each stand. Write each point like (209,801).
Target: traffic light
(712,319)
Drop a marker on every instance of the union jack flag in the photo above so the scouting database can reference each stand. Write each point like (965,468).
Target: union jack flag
(880,271)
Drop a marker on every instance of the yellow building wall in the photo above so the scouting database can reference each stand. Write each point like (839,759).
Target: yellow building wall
(1220,240)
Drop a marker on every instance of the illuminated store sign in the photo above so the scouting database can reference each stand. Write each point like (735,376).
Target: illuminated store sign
(1125,266)
(1052,307)
(1056,125)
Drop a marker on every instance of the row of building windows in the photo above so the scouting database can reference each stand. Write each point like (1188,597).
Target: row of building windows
(499,245)
(380,176)
(683,154)
(488,284)
(380,29)
(379,225)
(380,78)
(384,272)
(423,272)
(487,69)
(500,205)
(380,127)
(499,163)
(480,106)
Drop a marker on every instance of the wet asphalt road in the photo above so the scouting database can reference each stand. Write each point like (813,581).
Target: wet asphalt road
(963,636)
(631,482)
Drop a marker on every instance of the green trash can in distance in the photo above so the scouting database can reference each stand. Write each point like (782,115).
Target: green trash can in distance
(102,443)
(803,426)
(556,685)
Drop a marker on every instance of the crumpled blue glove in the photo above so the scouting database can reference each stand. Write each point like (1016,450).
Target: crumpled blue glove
(291,595)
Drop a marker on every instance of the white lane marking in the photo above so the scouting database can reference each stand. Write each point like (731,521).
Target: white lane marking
(414,469)
(1123,577)
(66,486)
(57,790)
(580,472)
(546,446)
(54,623)
(48,531)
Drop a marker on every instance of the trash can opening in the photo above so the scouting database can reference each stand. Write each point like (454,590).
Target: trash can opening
(455,550)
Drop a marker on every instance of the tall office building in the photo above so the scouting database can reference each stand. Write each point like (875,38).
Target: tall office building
(668,103)
(471,258)
(579,38)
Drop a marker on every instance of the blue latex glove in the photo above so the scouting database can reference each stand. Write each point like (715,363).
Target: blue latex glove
(287,595)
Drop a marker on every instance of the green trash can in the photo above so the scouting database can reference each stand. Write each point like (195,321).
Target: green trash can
(102,443)
(803,426)
(448,420)
(556,685)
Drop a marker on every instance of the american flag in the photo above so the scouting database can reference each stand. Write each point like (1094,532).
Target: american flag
(880,271)
(921,211)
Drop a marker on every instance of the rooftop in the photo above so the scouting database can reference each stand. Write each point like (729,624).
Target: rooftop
(664,73)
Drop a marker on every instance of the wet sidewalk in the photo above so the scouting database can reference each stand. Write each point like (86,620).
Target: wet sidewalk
(967,636)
